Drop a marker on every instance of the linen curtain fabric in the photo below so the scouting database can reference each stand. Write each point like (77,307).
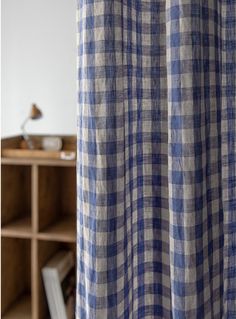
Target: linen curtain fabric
(156,159)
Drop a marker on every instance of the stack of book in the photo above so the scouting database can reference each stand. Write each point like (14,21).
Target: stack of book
(59,282)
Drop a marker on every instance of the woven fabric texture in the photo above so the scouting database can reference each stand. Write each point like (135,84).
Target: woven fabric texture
(156,159)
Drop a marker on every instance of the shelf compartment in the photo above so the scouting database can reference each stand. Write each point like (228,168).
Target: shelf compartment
(46,250)
(20,228)
(21,309)
(16,199)
(16,277)
(57,201)
(63,230)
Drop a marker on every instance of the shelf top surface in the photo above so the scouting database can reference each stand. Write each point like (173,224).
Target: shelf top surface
(42,162)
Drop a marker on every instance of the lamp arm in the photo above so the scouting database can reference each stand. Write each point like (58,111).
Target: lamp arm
(23,125)
(25,135)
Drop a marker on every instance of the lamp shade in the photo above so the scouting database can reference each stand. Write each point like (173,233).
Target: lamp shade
(35,112)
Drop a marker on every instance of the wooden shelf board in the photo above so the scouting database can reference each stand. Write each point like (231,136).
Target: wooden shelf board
(18,228)
(21,309)
(43,162)
(63,230)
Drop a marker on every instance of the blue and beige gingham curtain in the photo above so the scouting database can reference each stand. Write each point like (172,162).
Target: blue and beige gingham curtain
(156,159)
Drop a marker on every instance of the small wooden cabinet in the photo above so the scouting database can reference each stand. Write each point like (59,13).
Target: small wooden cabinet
(38,203)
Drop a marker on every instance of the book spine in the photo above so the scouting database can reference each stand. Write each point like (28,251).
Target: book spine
(48,284)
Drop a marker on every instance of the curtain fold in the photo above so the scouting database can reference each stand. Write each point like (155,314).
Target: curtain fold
(156,173)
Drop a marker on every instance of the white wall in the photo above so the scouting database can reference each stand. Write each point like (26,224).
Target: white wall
(39,65)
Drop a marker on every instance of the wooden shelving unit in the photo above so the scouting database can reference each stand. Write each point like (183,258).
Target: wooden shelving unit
(38,218)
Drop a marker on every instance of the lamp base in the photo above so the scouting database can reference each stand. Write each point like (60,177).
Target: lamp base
(27,143)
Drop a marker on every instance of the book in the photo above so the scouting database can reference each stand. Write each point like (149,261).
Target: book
(59,282)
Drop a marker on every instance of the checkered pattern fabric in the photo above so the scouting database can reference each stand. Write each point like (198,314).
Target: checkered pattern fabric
(228,130)
(156,159)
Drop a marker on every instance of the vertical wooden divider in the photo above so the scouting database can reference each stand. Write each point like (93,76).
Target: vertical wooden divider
(34,278)
(34,243)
